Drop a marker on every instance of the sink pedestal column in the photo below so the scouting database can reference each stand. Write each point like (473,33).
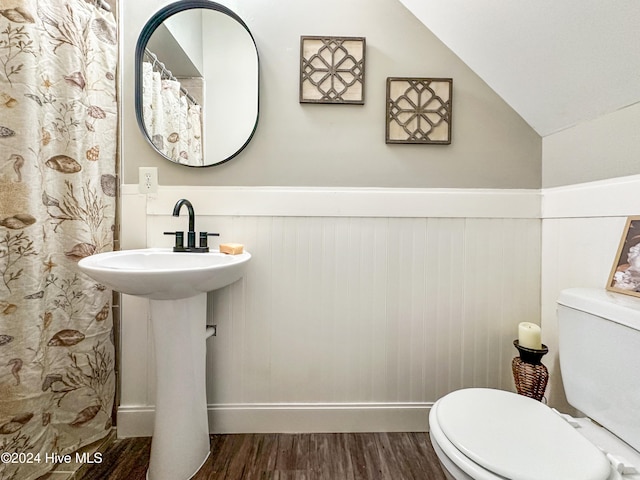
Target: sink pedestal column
(180,443)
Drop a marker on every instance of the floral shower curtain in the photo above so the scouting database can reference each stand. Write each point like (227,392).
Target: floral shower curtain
(174,124)
(58,131)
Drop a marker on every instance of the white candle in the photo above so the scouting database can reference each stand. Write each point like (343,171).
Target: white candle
(529,335)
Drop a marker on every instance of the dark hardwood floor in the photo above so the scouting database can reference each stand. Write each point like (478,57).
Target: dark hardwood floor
(311,456)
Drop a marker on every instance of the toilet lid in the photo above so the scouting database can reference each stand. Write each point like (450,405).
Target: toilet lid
(518,437)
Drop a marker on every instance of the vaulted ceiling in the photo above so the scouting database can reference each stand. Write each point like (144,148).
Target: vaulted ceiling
(557,63)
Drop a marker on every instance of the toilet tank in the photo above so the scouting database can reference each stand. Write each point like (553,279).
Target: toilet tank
(599,349)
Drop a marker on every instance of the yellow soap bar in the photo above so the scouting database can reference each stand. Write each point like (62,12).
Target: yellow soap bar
(231,248)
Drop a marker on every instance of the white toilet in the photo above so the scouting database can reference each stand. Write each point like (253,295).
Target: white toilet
(486,434)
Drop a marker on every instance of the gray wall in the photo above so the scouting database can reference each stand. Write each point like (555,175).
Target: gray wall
(606,147)
(343,145)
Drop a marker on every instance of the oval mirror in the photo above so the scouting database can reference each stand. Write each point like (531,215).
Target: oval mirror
(197,83)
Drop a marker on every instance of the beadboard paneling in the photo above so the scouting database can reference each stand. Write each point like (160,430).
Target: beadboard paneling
(371,310)
(581,229)
(343,312)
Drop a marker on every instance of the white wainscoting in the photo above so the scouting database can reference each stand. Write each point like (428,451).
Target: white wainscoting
(359,308)
(581,229)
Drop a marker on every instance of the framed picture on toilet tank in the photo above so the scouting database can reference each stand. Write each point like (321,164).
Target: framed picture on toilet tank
(625,273)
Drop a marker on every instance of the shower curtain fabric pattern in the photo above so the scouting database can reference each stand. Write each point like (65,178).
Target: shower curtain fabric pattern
(58,131)
(173,124)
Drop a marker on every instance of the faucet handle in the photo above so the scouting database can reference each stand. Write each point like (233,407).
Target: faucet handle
(203,238)
(179,239)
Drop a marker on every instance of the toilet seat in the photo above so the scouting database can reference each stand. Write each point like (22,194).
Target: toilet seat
(511,436)
(453,461)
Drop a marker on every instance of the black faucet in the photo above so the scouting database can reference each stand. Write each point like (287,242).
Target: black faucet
(192,214)
(191,234)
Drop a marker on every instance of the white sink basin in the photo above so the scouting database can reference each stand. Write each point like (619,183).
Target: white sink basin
(175,284)
(162,274)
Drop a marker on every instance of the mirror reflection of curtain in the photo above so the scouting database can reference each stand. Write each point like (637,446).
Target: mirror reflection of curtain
(173,123)
(194,126)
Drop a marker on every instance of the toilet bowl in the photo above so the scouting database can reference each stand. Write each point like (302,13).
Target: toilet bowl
(489,434)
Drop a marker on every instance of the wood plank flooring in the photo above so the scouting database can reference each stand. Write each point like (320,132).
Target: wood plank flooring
(310,456)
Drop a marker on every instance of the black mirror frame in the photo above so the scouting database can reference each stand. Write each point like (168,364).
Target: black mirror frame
(147,31)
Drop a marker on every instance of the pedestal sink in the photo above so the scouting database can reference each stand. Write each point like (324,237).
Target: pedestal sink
(175,284)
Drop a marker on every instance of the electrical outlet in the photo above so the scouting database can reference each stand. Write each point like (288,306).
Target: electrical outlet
(148,180)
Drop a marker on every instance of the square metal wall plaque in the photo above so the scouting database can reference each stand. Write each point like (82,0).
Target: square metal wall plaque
(332,69)
(419,110)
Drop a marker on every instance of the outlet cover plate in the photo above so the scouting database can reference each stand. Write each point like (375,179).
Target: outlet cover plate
(148,180)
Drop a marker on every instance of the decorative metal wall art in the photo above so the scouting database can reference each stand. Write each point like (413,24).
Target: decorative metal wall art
(332,69)
(419,110)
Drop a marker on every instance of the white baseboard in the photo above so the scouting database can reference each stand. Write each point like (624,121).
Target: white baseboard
(292,418)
